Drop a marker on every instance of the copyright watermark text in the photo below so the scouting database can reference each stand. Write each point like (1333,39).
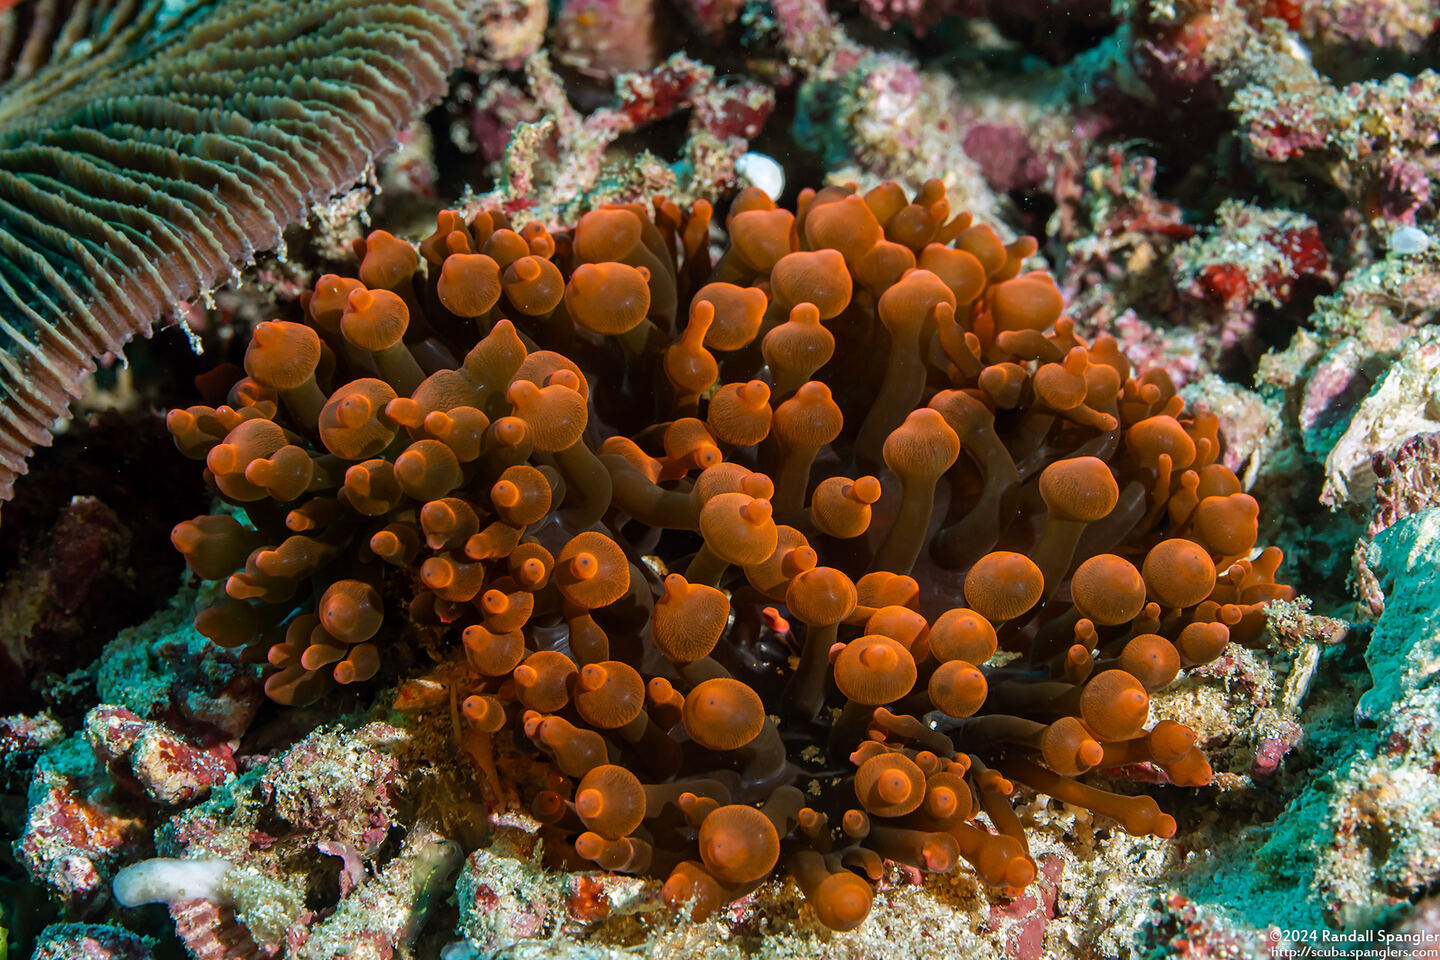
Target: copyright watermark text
(1418,945)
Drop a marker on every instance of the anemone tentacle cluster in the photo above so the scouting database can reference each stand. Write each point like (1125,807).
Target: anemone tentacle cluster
(734,545)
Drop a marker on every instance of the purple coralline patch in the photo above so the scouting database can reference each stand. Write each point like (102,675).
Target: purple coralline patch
(1403,190)
(1005,156)
(1286,134)
(498,108)
(1334,389)
(1272,750)
(1381,24)
(586,37)
(352,867)
(1022,921)
(1142,343)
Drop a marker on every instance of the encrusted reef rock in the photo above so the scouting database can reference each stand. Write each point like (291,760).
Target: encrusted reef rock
(1355,841)
(322,849)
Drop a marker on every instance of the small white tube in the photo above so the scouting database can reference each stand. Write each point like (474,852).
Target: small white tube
(171,881)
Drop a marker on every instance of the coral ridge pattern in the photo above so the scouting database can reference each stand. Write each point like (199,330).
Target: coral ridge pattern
(149,147)
(800,559)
